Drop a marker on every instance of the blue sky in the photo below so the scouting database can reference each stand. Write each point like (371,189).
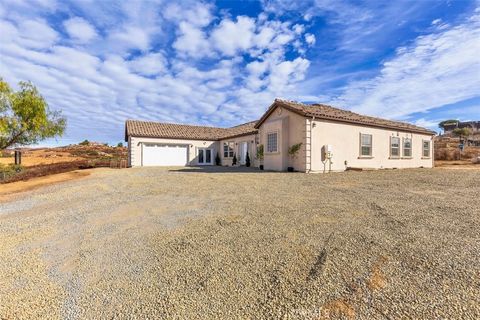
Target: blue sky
(222,63)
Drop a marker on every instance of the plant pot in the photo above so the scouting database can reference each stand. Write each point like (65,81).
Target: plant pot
(261,167)
(290,169)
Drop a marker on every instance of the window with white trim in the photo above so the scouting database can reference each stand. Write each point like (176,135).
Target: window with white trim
(228,149)
(426,149)
(272,142)
(407,147)
(394,147)
(365,145)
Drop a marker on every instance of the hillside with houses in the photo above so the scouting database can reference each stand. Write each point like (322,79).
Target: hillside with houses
(459,141)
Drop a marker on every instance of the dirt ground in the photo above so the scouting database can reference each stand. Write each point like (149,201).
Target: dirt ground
(7,191)
(43,156)
(456,164)
(220,243)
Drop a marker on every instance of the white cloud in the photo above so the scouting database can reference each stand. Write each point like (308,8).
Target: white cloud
(149,64)
(80,30)
(431,124)
(197,14)
(310,39)
(264,37)
(230,37)
(129,38)
(437,69)
(37,34)
(192,41)
(126,73)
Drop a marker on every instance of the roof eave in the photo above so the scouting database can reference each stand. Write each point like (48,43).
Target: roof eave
(429,132)
(276,103)
(174,138)
(239,135)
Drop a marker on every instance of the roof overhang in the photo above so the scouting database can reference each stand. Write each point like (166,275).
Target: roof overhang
(278,103)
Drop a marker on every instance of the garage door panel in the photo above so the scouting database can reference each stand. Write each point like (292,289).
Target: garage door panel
(164,155)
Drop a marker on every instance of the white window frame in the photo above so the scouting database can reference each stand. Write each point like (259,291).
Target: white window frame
(370,155)
(425,149)
(404,148)
(268,149)
(392,156)
(230,149)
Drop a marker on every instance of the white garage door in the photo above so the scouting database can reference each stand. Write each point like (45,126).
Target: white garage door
(164,155)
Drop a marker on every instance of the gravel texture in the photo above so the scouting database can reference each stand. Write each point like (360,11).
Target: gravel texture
(213,243)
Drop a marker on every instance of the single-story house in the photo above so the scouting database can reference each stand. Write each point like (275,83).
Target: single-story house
(325,139)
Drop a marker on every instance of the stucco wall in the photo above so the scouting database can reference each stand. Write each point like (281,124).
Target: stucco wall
(252,150)
(291,130)
(135,148)
(345,140)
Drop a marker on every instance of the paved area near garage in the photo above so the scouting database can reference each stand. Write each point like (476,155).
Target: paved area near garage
(236,243)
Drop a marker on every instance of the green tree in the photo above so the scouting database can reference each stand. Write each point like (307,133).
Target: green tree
(84,143)
(120,145)
(25,117)
(444,123)
(461,132)
(293,150)
(260,152)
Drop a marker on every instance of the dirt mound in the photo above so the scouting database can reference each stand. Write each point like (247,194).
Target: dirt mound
(448,148)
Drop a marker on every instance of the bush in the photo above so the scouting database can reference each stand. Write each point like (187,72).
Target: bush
(84,143)
(293,150)
(247,160)
(260,152)
(9,170)
(234,160)
(119,145)
(217,160)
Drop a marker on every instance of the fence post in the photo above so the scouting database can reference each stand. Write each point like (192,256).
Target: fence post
(18,157)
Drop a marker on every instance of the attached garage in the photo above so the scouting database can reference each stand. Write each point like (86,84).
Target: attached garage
(167,144)
(154,154)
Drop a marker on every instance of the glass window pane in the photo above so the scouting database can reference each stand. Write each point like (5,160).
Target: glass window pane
(426,149)
(271,142)
(407,147)
(395,142)
(366,139)
(365,151)
(208,156)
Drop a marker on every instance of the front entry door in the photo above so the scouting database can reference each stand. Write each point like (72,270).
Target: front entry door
(204,156)
(243,152)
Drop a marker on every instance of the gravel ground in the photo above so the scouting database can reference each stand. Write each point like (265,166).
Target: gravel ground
(189,244)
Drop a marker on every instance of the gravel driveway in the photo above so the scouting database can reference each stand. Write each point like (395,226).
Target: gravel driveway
(204,244)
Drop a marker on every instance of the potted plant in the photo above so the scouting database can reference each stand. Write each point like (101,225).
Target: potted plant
(247,160)
(234,160)
(260,155)
(293,152)
(217,160)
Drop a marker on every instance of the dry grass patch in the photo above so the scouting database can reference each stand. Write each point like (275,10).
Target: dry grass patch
(337,309)
(377,279)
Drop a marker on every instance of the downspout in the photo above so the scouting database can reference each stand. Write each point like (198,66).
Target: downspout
(311,145)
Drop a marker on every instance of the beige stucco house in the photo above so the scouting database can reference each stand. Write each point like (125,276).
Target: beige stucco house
(326,139)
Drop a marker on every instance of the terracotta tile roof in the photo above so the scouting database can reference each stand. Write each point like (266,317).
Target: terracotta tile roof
(241,130)
(322,111)
(182,131)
